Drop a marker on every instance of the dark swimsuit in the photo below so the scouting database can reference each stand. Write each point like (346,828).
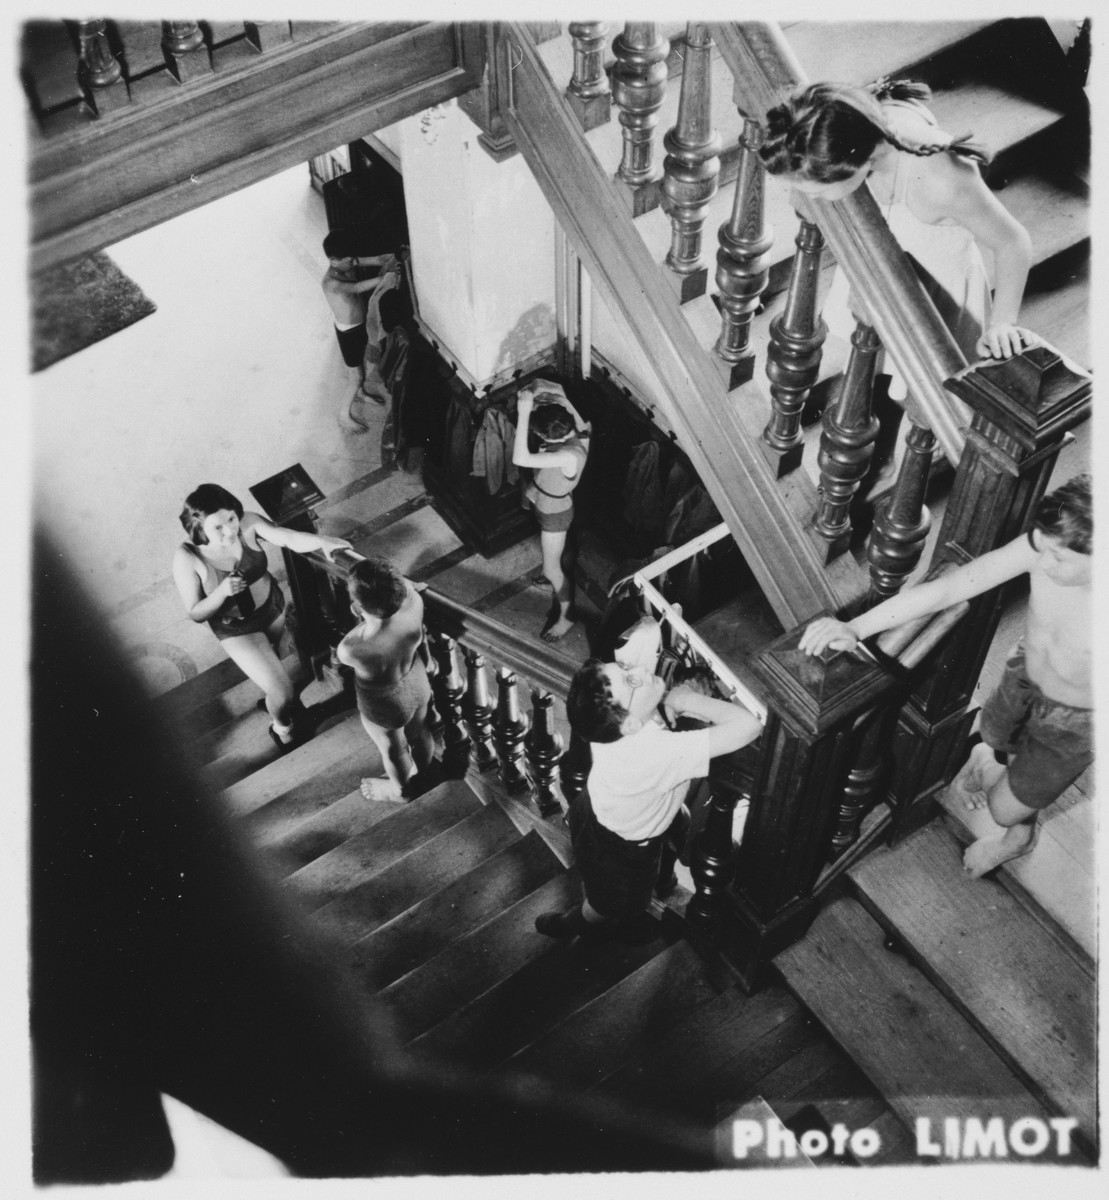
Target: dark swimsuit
(239,615)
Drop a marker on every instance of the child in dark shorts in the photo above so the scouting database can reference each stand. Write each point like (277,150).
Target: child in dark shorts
(1037,727)
(627,822)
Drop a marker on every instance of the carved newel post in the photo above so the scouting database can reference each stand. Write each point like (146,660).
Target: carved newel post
(1023,408)
(805,754)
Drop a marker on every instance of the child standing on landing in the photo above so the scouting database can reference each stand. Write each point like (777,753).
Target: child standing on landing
(1039,720)
(558,464)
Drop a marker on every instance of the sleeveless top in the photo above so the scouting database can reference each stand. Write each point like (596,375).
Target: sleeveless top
(552,485)
(252,566)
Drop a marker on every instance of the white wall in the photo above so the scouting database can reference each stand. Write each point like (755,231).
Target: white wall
(482,240)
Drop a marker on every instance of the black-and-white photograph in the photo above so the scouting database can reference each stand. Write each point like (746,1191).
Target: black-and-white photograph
(559,613)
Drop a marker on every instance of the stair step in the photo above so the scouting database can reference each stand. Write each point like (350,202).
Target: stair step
(996,964)
(245,731)
(918,1050)
(454,911)
(1060,312)
(1055,213)
(997,119)
(592,1042)
(1057,882)
(473,964)
(433,865)
(522,1007)
(713,1052)
(315,762)
(862,51)
(341,870)
(295,842)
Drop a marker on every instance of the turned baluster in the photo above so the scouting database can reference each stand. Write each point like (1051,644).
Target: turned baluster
(543,749)
(847,442)
(99,71)
(186,52)
(797,336)
(509,731)
(902,520)
(691,166)
(743,260)
(639,88)
(449,691)
(477,712)
(712,863)
(588,93)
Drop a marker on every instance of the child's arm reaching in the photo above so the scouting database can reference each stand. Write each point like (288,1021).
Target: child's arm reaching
(971,579)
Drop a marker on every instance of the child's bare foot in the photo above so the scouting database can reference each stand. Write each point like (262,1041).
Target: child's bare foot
(559,629)
(381,789)
(988,853)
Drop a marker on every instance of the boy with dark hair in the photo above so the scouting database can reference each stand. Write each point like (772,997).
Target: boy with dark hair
(625,822)
(390,680)
(347,291)
(1037,727)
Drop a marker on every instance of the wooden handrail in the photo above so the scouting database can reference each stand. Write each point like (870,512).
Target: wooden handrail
(595,219)
(877,269)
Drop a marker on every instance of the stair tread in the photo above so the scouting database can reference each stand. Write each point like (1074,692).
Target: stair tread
(1055,213)
(996,118)
(473,964)
(918,1050)
(1060,876)
(385,842)
(831,50)
(297,841)
(426,929)
(694,1064)
(305,763)
(593,1041)
(1061,314)
(523,1006)
(1027,994)
(433,865)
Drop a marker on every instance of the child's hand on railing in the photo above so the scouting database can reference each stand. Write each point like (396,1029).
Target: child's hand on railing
(828,633)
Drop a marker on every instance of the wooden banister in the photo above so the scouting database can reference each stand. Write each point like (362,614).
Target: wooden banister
(596,222)
(880,275)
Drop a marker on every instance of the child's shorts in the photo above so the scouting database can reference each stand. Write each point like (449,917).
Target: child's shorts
(1049,744)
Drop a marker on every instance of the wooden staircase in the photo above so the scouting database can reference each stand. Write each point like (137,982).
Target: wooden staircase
(430,906)
(1006,81)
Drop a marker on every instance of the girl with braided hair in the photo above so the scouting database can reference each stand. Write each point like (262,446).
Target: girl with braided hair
(828,138)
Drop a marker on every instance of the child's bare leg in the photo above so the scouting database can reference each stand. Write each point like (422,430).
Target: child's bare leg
(1019,821)
(553,543)
(978,775)
(395,758)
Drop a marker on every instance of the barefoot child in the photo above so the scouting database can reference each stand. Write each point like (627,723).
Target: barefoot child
(563,449)
(1041,716)
(390,681)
